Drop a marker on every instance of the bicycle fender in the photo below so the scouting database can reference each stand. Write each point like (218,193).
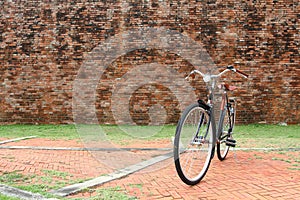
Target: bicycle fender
(203,104)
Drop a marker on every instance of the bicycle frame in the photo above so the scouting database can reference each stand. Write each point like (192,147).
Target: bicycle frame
(216,129)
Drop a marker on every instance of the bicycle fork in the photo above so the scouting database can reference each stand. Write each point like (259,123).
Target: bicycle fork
(200,139)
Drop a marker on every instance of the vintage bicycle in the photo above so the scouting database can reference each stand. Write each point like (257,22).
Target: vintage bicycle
(197,134)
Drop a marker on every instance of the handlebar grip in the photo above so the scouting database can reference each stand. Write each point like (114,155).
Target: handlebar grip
(240,72)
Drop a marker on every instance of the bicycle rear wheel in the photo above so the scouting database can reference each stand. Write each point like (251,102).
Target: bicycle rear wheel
(193,145)
(226,125)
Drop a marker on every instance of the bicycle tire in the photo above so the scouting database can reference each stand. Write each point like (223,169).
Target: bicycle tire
(190,145)
(225,130)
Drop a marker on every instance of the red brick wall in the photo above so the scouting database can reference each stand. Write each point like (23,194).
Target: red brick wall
(43,45)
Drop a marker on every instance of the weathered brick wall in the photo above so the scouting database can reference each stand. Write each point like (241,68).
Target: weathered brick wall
(43,44)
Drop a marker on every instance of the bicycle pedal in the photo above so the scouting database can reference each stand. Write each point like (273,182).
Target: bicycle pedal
(196,143)
(230,142)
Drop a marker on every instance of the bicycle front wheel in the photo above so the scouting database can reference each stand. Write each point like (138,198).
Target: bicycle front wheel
(193,144)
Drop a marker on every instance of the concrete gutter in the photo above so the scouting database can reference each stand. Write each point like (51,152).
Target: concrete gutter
(65,191)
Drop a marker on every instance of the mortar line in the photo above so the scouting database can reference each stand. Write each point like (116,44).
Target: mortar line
(16,139)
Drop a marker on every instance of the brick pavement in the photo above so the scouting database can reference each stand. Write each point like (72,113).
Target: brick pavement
(244,175)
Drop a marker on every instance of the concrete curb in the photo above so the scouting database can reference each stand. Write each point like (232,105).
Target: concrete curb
(132,149)
(21,194)
(16,139)
(266,149)
(84,149)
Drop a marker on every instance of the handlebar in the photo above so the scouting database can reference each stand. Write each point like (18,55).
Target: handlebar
(208,77)
(230,67)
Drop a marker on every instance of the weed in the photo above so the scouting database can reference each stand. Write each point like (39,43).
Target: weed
(14,177)
(294,168)
(55,173)
(282,152)
(115,193)
(9,157)
(282,159)
(3,197)
(37,184)
(258,157)
(138,185)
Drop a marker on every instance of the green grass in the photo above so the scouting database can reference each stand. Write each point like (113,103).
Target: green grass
(12,178)
(3,197)
(24,182)
(115,193)
(282,159)
(126,132)
(247,136)
(268,131)
(137,185)
(267,136)
(54,173)
(291,158)
(67,132)
(257,157)
(50,180)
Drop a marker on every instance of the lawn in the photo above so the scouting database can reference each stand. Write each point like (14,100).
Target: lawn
(42,131)
(267,136)
(3,197)
(247,136)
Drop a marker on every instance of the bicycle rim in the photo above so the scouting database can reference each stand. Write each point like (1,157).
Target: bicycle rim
(193,145)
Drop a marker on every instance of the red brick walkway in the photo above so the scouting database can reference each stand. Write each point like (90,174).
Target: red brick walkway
(251,175)
(244,175)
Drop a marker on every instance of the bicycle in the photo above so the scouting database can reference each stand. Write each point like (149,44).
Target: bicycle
(197,134)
